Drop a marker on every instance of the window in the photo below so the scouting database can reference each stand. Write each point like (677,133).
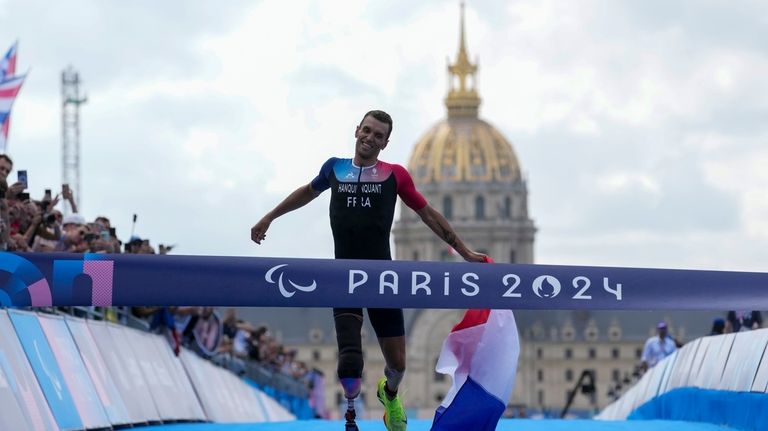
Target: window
(568,353)
(316,355)
(541,398)
(592,353)
(615,353)
(569,375)
(415,255)
(506,210)
(479,208)
(615,375)
(638,353)
(447,207)
(540,375)
(512,257)
(539,353)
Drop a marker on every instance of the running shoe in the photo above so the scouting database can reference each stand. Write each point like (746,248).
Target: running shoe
(394,414)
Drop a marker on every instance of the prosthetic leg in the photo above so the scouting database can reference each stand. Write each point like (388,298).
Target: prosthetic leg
(350,367)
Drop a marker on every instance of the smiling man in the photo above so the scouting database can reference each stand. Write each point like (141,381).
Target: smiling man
(364,191)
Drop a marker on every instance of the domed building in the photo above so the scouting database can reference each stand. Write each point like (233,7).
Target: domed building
(468,171)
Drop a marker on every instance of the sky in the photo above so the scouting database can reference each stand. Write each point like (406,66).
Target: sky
(641,126)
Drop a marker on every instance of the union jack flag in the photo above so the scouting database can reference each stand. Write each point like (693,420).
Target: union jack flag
(8,63)
(9,88)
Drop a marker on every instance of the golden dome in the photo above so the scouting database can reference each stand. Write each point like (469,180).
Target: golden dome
(463,148)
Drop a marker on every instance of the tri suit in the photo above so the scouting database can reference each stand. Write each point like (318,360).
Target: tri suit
(361,212)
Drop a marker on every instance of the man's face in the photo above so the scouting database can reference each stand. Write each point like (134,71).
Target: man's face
(662,332)
(72,227)
(104,222)
(74,234)
(371,138)
(5,168)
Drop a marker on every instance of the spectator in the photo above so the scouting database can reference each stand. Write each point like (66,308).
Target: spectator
(138,245)
(718,327)
(5,236)
(737,321)
(658,347)
(161,321)
(6,166)
(73,239)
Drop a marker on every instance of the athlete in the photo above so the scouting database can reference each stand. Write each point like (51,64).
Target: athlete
(364,191)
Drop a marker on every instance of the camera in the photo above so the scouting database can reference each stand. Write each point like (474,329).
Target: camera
(49,219)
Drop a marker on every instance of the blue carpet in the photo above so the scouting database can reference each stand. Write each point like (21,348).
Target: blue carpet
(423,425)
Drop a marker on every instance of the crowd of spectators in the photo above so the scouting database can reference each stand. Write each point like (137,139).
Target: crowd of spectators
(243,340)
(28,224)
(32,224)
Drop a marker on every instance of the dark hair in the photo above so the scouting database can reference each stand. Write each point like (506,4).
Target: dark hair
(6,157)
(381,116)
(718,326)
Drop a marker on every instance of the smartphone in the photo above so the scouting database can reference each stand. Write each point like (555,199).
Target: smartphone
(23,197)
(112,232)
(105,235)
(22,177)
(47,196)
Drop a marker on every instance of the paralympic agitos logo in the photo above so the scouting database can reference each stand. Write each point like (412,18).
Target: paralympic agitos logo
(281,285)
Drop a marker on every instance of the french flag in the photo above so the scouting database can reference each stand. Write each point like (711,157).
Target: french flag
(8,63)
(480,354)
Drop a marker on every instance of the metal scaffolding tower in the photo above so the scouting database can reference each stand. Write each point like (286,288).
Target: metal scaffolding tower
(70,133)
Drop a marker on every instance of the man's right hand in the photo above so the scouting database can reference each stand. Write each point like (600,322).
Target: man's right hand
(15,189)
(259,230)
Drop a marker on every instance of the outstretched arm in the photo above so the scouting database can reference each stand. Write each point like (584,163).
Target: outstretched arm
(443,229)
(300,197)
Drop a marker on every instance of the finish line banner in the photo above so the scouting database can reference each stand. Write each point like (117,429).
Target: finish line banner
(45,279)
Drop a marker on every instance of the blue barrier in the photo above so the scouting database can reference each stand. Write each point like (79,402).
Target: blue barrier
(100,279)
(740,410)
(47,370)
